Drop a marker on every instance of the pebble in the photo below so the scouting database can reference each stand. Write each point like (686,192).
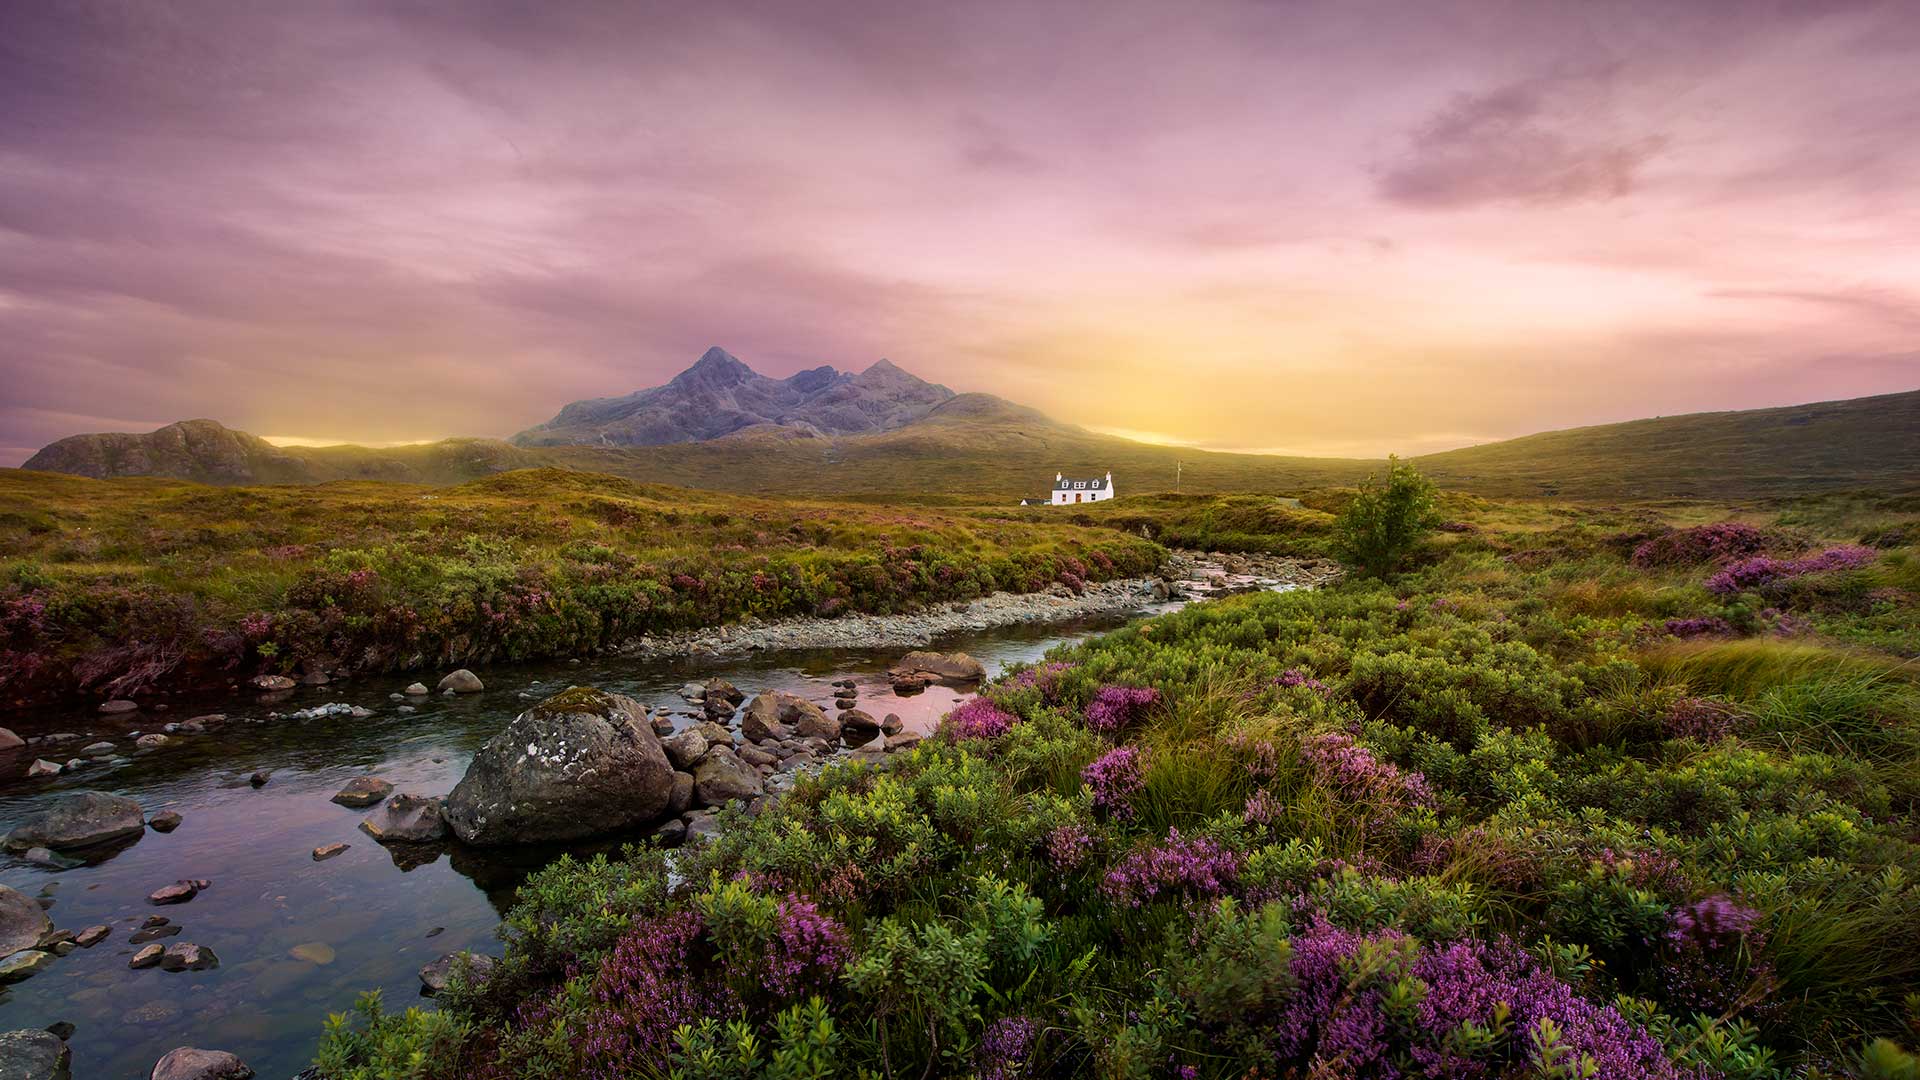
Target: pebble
(328,851)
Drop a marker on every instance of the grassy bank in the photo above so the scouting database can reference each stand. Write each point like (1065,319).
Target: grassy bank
(1583,795)
(118,587)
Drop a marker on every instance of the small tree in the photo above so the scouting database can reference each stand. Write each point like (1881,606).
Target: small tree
(1386,521)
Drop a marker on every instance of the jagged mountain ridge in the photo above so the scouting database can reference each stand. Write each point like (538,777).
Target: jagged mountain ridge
(720,395)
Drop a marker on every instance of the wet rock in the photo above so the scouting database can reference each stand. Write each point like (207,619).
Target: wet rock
(42,767)
(119,705)
(271,683)
(314,678)
(187,1063)
(474,968)
(178,893)
(165,821)
(955,667)
(103,748)
(672,832)
(186,956)
(891,723)
(22,921)
(259,779)
(79,820)
(152,921)
(24,964)
(10,741)
(153,933)
(61,1029)
(723,777)
(406,819)
(148,956)
(753,755)
(92,935)
(858,725)
(40,856)
(902,741)
(74,765)
(581,763)
(462,682)
(313,952)
(909,685)
(151,742)
(715,734)
(724,691)
(680,800)
(685,749)
(416,690)
(328,851)
(34,1055)
(363,791)
(662,726)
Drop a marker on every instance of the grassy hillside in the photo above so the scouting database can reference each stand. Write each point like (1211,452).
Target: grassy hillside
(1552,806)
(1871,442)
(115,586)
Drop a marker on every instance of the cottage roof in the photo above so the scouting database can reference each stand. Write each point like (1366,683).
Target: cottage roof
(1062,482)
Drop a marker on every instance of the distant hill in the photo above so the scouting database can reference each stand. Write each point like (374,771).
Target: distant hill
(1869,442)
(211,453)
(720,395)
(884,435)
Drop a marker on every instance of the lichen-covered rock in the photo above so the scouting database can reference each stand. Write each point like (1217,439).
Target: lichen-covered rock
(363,791)
(79,820)
(24,964)
(406,819)
(22,921)
(581,763)
(723,777)
(33,1054)
(685,749)
(187,1063)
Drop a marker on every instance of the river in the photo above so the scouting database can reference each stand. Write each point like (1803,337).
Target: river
(298,938)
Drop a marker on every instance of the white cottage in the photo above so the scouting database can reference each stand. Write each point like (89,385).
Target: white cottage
(1067,492)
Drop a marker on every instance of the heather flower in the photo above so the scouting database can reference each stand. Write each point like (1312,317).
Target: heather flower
(1115,778)
(1702,543)
(1114,707)
(1263,808)
(1295,677)
(1198,867)
(1352,770)
(1712,962)
(806,951)
(643,991)
(1714,921)
(1045,678)
(978,719)
(1700,718)
(1759,572)
(1699,626)
(1006,1048)
(1068,847)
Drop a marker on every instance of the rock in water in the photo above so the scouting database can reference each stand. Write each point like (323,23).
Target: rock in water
(409,819)
(186,956)
(723,777)
(186,1063)
(10,741)
(271,683)
(416,690)
(79,820)
(165,821)
(34,1055)
(858,725)
(42,767)
(776,713)
(24,964)
(462,682)
(177,893)
(148,956)
(362,791)
(685,749)
(956,667)
(328,851)
(118,705)
(581,763)
(474,967)
(22,921)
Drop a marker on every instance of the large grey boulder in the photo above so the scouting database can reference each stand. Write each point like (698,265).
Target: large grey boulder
(187,1063)
(22,921)
(34,1055)
(78,820)
(723,778)
(581,763)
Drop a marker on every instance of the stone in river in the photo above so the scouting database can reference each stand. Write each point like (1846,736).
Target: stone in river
(153,933)
(150,742)
(92,935)
(416,689)
(24,964)
(42,767)
(177,893)
(858,723)
(99,749)
(313,952)
(148,956)
(259,779)
(581,763)
(475,968)
(79,820)
(723,777)
(328,851)
(165,821)
(462,682)
(22,921)
(363,791)
(901,741)
(32,1054)
(685,749)
(891,723)
(118,705)
(186,956)
(10,741)
(406,818)
(187,1063)
(681,799)
(272,682)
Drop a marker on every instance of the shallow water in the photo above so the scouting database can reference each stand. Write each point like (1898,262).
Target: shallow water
(369,921)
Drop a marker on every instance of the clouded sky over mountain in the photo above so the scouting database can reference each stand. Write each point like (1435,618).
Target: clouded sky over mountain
(1340,228)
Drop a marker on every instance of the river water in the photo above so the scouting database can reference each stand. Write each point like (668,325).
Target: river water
(298,938)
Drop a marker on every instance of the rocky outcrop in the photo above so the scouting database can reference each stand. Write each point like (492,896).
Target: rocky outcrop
(34,1055)
(581,763)
(187,1063)
(22,921)
(80,820)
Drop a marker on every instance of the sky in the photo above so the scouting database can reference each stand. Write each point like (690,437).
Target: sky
(1327,228)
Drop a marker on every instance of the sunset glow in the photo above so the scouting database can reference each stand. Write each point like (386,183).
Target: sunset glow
(1325,228)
